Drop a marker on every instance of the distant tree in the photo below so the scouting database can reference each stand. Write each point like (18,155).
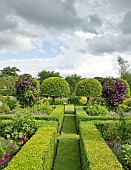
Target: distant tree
(89,87)
(9,71)
(100,79)
(127,77)
(73,80)
(124,66)
(124,71)
(55,87)
(7,83)
(46,74)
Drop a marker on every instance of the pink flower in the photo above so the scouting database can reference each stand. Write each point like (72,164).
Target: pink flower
(14,134)
(1,160)
(6,155)
(23,139)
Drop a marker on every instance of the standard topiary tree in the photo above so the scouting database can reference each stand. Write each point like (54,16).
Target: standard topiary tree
(55,87)
(89,87)
(27,90)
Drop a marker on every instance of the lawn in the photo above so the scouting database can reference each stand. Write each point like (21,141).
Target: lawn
(68,156)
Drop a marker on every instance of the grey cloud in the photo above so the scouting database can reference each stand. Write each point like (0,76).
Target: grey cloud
(109,44)
(125,25)
(7,22)
(92,24)
(49,13)
(121,5)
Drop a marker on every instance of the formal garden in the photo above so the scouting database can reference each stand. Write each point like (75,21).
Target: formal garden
(47,125)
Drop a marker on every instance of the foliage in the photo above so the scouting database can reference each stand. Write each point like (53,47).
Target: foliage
(127,85)
(95,153)
(83,100)
(127,102)
(55,87)
(124,107)
(23,124)
(4,108)
(38,151)
(73,80)
(43,108)
(100,79)
(58,114)
(7,85)
(127,77)
(59,101)
(7,149)
(46,99)
(11,102)
(74,99)
(88,87)
(46,74)
(9,71)
(114,91)
(96,110)
(126,159)
(27,90)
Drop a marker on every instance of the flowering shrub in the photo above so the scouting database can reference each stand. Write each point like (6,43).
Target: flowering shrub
(7,149)
(23,124)
(114,91)
(83,100)
(27,90)
(96,110)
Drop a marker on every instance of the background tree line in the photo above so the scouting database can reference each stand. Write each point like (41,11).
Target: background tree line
(9,75)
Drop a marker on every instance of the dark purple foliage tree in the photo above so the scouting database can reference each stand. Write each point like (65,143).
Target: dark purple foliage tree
(27,90)
(114,91)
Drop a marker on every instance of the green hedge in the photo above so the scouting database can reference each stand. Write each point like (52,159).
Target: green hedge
(6,117)
(95,153)
(58,113)
(38,152)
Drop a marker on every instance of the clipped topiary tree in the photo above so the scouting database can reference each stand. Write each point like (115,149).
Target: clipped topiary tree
(89,87)
(55,87)
(114,91)
(27,90)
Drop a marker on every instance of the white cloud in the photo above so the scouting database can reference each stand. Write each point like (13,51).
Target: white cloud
(91,34)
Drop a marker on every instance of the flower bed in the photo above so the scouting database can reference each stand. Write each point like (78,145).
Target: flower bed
(38,152)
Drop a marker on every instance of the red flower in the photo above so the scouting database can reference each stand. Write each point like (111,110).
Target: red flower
(1,160)
(23,139)
(6,155)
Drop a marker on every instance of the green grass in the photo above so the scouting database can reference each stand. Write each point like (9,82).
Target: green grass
(68,151)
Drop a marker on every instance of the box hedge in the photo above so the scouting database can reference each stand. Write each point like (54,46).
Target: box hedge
(38,152)
(95,153)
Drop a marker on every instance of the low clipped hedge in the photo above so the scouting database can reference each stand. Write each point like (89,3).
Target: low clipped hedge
(58,113)
(38,152)
(95,153)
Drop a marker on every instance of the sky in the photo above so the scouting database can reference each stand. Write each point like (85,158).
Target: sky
(66,36)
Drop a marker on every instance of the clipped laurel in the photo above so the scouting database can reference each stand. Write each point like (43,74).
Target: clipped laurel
(55,87)
(88,87)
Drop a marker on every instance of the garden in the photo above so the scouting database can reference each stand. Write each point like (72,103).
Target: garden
(45,126)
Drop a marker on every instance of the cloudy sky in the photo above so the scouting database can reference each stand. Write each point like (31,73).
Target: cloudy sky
(67,36)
